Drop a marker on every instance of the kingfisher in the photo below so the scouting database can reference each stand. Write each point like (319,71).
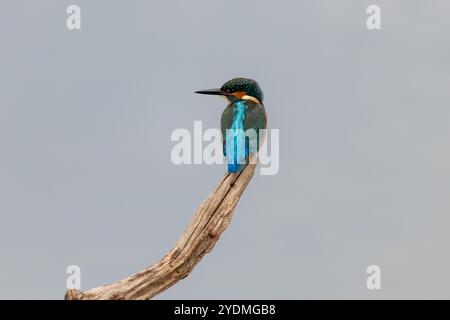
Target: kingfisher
(243,122)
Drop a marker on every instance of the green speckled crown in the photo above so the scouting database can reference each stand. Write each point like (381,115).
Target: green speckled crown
(249,86)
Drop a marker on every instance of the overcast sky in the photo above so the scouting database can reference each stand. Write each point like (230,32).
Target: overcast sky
(86,117)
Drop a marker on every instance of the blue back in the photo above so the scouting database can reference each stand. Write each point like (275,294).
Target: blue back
(237,148)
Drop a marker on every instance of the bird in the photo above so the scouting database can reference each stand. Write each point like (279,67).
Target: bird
(243,122)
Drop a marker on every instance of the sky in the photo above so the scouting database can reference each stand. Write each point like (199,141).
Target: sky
(86,116)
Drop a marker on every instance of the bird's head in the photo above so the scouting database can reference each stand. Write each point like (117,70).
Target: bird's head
(238,89)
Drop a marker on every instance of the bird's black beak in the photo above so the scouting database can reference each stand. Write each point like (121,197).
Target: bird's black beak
(215,92)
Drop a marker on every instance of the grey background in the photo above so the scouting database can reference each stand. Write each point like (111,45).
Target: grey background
(85,124)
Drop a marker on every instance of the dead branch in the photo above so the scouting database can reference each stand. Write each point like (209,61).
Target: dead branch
(211,218)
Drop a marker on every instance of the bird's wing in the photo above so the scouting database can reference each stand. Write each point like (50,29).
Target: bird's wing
(226,122)
(256,118)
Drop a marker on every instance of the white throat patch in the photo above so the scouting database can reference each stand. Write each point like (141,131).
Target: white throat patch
(246,97)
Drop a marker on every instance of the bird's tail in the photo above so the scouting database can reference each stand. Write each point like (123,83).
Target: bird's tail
(235,167)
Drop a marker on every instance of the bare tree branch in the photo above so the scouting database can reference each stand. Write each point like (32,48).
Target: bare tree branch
(211,218)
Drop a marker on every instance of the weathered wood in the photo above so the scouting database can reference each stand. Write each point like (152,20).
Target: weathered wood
(211,218)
